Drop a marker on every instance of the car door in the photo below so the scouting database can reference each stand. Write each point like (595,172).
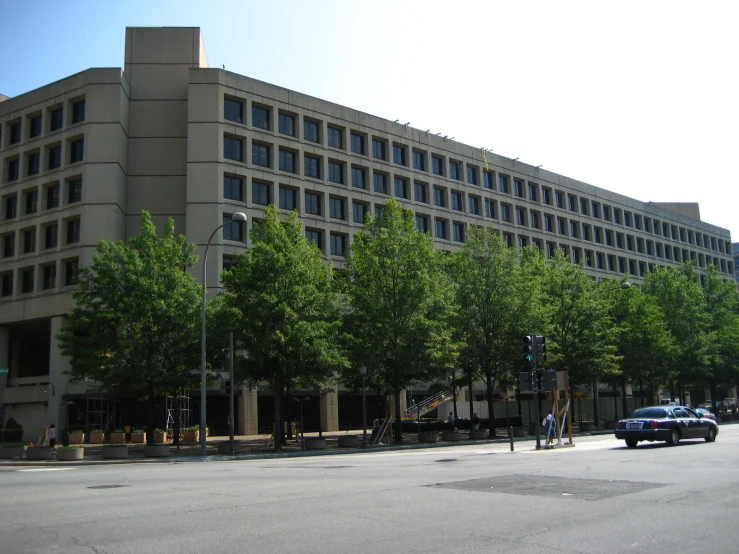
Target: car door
(698,424)
(683,423)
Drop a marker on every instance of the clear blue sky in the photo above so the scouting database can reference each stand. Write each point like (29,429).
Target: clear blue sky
(640,98)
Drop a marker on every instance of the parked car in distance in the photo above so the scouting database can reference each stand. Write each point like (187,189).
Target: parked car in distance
(665,423)
(703,412)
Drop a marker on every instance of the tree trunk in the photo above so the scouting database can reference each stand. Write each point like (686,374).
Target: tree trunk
(177,415)
(469,393)
(491,415)
(398,426)
(454,397)
(151,418)
(290,418)
(278,423)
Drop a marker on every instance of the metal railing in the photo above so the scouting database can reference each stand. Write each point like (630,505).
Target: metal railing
(417,411)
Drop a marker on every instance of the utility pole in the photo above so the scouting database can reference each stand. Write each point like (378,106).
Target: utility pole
(231,390)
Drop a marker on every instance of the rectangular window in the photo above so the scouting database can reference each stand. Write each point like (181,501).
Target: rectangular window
(419,160)
(335,172)
(503,184)
(439,197)
(607,213)
(609,238)
(597,235)
(595,209)
(260,117)
(15,133)
(454,170)
(11,203)
(378,149)
(534,220)
(314,237)
(312,203)
(336,208)
(13,169)
(232,230)
(288,199)
(310,131)
(520,216)
(55,156)
(457,201)
(73,231)
(75,191)
(359,211)
(561,226)
(35,126)
(421,192)
(619,240)
(260,193)
(583,206)
(335,138)
(532,192)
(505,213)
(441,229)
(287,161)
(458,231)
(487,179)
(233,110)
(233,188)
(573,229)
(472,175)
(260,155)
(474,204)
(33,165)
(627,219)
(49,277)
(338,245)
(571,203)
(357,143)
(312,167)
(57,119)
(401,188)
(26,280)
(71,272)
(518,188)
(399,155)
(559,200)
(548,223)
(50,236)
(617,216)
(380,181)
(31,202)
(437,164)
(78,112)
(489,209)
(585,232)
(422,223)
(29,241)
(358,180)
(76,150)
(286,123)
(7,284)
(9,245)
(233,149)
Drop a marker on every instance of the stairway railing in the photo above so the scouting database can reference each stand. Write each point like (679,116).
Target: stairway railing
(425,406)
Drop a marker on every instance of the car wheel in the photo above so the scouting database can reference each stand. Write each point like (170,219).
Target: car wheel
(631,443)
(711,435)
(674,438)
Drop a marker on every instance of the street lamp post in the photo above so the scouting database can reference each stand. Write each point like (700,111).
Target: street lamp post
(363,373)
(237,217)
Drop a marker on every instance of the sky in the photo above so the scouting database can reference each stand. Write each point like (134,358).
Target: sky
(640,98)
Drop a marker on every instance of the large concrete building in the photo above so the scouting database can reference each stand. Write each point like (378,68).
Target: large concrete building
(81,157)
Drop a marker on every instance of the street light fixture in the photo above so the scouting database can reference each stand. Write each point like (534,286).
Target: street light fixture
(363,373)
(237,217)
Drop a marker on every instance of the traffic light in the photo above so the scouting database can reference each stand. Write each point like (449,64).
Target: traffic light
(528,348)
(540,348)
(525,381)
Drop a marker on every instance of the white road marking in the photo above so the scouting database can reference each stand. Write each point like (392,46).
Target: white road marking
(48,469)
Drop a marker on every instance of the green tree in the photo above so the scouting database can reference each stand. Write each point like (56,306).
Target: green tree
(399,304)
(135,325)
(288,320)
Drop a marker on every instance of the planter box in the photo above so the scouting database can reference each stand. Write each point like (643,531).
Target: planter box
(12,451)
(69,454)
(519,431)
(479,434)
(191,436)
(160,437)
(76,438)
(225,447)
(451,436)
(39,453)
(349,441)
(118,438)
(115,452)
(315,443)
(97,438)
(140,438)
(156,450)
(587,426)
(430,437)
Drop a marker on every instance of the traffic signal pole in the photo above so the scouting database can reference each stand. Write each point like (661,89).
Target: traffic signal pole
(530,350)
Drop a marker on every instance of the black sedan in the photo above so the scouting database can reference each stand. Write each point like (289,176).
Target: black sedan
(665,423)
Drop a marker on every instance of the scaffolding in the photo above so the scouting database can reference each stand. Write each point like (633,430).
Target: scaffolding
(102,413)
(184,400)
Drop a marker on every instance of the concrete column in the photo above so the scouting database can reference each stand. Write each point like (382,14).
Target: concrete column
(247,414)
(59,383)
(732,392)
(330,411)
(686,399)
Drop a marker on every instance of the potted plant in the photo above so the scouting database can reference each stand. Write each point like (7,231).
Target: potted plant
(478,434)
(97,436)
(348,441)
(13,431)
(191,434)
(77,437)
(450,435)
(70,453)
(429,437)
(138,436)
(118,436)
(160,435)
(587,426)
(39,452)
(115,451)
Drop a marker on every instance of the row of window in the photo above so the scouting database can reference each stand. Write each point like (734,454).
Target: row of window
(51,198)
(37,123)
(36,161)
(49,236)
(27,280)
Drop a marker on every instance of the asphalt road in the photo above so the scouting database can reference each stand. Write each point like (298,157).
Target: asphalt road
(595,497)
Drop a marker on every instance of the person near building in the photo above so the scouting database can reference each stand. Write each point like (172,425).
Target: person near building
(52,435)
(450,421)
(475,422)
(550,427)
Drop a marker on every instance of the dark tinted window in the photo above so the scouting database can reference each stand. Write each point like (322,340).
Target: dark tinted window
(656,413)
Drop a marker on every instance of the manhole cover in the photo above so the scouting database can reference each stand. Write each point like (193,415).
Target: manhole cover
(446,460)
(106,486)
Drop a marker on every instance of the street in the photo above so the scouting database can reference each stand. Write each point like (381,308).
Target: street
(596,497)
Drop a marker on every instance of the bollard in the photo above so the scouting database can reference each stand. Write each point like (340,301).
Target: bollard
(510,436)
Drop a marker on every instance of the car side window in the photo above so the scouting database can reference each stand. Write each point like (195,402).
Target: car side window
(671,414)
(691,413)
(679,412)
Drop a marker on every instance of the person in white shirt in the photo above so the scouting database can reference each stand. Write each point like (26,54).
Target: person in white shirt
(52,435)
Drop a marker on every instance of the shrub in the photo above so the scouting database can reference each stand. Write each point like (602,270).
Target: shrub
(97,432)
(68,447)
(158,431)
(13,431)
(38,446)
(115,444)
(140,431)
(77,432)
(119,431)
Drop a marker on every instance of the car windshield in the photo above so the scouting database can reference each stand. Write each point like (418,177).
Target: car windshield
(656,413)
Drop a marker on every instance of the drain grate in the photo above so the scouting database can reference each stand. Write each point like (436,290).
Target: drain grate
(106,486)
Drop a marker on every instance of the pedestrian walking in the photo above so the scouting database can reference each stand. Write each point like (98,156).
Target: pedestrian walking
(450,421)
(52,435)
(475,422)
(550,427)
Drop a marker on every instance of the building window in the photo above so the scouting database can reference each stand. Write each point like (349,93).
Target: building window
(33,165)
(260,117)
(287,161)
(378,149)
(357,143)
(503,184)
(15,133)
(520,216)
(76,150)
(546,196)
(457,201)
(454,170)
(57,119)
(49,281)
(336,208)
(29,240)
(401,188)
(11,203)
(312,167)
(437,164)
(559,200)
(233,149)
(338,245)
(458,231)
(55,156)
(419,160)
(27,280)
(561,229)
(78,112)
(583,206)
(233,188)
(50,236)
(335,138)
(441,232)
(421,192)
(228,263)
(358,180)
(380,181)
(260,155)
(260,193)
(534,220)
(7,284)
(310,131)
(474,203)
(627,219)
(607,213)
(597,235)
(13,169)
(573,229)
(518,188)
(75,191)
(422,223)
(548,223)
(312,203)
(9,245)
(472,175)
(233,110)
(35,125)
(313,237)
(489,209)
(73,231)
(439,197)
(232,230)
(71,272)
(399,155)
(532,192)
(335,172)
(288,199)
(487,179)
(505,213)
(617,217)
(359,210)
(571,203)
